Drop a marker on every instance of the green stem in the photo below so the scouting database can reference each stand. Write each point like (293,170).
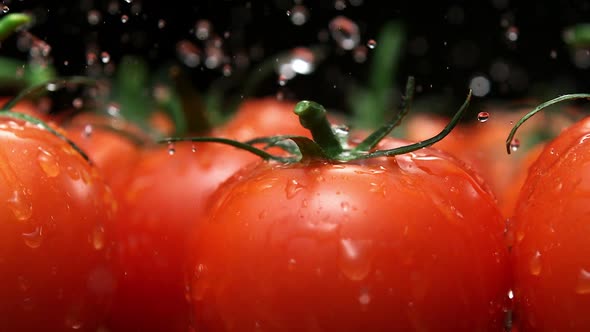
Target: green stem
(419,145)
(313,117)
(10,23)
(33,120)
(261,153)
(372,140)
(536,110)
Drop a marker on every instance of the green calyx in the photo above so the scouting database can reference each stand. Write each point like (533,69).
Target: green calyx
(329,142)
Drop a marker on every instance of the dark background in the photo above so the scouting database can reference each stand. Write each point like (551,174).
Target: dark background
(447,43)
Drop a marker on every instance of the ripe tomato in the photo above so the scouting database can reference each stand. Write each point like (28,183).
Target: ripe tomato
(166,193)
(55,234)
(412,242)
(551,256)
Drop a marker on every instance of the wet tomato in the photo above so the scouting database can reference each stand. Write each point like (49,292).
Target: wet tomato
(551,256)
(56,244)
(164,196)
(412,242)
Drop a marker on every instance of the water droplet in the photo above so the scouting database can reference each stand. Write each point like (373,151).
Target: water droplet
(34,238)
(202,29)
(105,57)
(339,5)
(359,54)
(345,32)
(372,44)
(364,297)
(583,285)
(51,87)
(21,207)
(73,321)
(161,23)
(98,237)
(535,264)
(124,18)
(480,86)
(553,54)
(48,163)
(292,188)
(514,144)
(227,70)
(282,80)
(171,148)
(5,9)
(77,103)
(114,110)
(512,33)
(291,264)
(345,207)
(87,131)
(24,284)
(200,283)
(483,116)
(355,258)
(298,14)
(510,294)
(193,148)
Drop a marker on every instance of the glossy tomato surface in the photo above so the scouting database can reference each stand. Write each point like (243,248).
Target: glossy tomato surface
(410,243)
(164,196)
(551,230)
(56,245)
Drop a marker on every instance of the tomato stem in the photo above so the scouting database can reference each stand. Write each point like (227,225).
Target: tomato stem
(313,117)
(372,140)
(522,120)
(11,23)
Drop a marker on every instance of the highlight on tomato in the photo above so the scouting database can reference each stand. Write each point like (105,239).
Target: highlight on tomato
(550,253)
(377,235)
(56,244)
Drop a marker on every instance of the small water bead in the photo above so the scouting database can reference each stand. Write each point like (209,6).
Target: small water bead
(161,23)
(94,17)
(483,116)
(77,103)
(298,14)
(124,18)
(339,4)
(512,33)
(105,57)
(515,144)
(345,32)
(171,148)
(203,29)
(583,284)
(535,266)
(34,238)
(5,9)
(371,44)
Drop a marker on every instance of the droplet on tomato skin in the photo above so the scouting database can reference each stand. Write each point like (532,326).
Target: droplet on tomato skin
(73,320)
(292,188)
(200,283)
(34,238)
(583,284)
(535,266)
(364,298)
(24,284)
(21,207)
(97,237)
(48,163)
(291,264)
(171,148)
(355,258)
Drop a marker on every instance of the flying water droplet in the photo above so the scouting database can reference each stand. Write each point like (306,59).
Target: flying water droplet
(345,32)
(171,148)
(124,18)
(105,57)
(203,29)
(5,9)
(298,14)
(371,44)
(94,17)
(483,116)
(188,53)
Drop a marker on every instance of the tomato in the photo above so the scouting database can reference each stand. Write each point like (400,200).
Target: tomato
(166,193)
(551,256)
(411,243)
(56,243)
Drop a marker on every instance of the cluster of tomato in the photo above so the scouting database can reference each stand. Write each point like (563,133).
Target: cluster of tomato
(210,237)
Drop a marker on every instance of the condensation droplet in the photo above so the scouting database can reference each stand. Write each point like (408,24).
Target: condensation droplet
(355,258)
(21,207)
(98,237)
(583,284)
(483,116)
(292,188)
(34,238)
(535,264)
(48,163)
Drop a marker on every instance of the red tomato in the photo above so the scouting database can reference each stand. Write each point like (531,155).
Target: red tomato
(551,256)
(55,234)
(166,193)
(409,243)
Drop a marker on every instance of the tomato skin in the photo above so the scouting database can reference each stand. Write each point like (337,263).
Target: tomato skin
(166,192)
(406,243)
(56,244)
(551,256)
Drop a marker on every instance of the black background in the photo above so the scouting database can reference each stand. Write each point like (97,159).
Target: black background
(463,39)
